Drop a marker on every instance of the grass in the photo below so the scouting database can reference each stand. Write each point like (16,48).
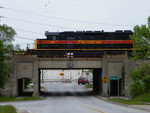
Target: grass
(125,101)
(7,99)
(139,100)
(89,86)
(42,87)
(7,109)
(143,98)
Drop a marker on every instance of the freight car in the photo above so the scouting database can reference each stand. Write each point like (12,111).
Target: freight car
(83,44)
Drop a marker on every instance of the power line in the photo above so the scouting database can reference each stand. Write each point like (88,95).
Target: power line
(57,25)
(103,7)
(29,31)
(22,43)
(65,19)
(58,18)
(39,23)
(23,38)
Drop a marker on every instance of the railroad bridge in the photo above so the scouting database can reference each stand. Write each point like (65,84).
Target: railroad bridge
(105,69)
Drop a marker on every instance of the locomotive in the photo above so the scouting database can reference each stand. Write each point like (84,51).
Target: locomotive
(83,44)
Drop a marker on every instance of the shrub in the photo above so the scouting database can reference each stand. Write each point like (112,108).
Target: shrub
(136,88)
(140,80)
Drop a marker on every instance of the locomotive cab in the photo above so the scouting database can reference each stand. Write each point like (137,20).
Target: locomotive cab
(52,35)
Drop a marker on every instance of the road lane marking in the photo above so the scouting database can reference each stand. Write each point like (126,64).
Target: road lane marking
(92,108)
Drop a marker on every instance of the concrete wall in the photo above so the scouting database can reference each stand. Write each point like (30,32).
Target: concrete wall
(67,63)
(28,66)
(24,69)
(21,67)
(112,66)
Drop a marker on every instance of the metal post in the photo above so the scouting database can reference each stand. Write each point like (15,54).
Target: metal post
(109,89)
(82,73)
(42,75)
(118,87)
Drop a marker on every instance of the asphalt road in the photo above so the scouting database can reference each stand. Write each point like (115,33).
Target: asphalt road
(69,98)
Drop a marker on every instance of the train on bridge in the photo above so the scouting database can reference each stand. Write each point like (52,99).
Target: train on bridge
(83,44)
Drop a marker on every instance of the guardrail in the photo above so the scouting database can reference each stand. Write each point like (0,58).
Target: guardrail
(61,81)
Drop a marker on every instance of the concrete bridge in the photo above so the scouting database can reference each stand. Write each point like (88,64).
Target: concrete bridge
(107,77)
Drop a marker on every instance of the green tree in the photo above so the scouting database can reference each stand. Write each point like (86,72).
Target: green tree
(140,80)
(7,34)
(3,66)
(141,41)
(141,76)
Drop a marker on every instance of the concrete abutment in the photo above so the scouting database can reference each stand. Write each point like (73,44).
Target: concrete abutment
(29,66)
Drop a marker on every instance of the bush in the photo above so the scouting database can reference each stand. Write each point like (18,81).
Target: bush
(146,81)
(3,66)
(136,88)
(140,80)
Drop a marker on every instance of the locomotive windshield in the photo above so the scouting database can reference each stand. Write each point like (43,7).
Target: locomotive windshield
(70,38)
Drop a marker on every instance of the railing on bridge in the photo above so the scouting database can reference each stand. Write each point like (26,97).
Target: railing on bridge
(59,80)
(63,54)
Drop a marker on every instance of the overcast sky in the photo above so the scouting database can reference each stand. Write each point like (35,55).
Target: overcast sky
(31,18)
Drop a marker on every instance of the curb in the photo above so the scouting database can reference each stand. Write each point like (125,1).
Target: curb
(105,99)
(21,111)
(136,107)
(125,105)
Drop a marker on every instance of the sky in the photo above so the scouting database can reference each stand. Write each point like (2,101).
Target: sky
(31,18)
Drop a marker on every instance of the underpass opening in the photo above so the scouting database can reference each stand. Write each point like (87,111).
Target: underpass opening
(115,87)
(97,81)
(25,87)
(66,82)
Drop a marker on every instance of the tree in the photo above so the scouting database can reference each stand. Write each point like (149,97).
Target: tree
(140,80)
(6,47)
(141,75)
(3,66)
(7,34)
(141,41)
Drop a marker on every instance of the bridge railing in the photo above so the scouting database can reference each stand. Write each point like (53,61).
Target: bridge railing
(58,80)
(19,52)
